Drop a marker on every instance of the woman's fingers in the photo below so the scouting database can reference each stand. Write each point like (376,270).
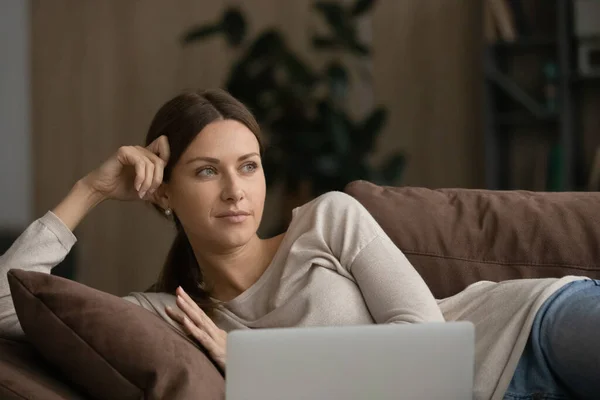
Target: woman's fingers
(198,325)
(127,155)
(148,178)
(174,315)
(140,174)
(191,303)
(179,291)
(154,171)
(159,167)
(196,315)
(200,335)
(191,328)
(160,147)
(216,350)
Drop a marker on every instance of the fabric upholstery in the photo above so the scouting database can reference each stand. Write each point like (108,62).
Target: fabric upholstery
(111,348)
(455,237)
(25,375)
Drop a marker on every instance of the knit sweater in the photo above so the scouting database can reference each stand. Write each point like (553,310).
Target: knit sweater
(335,266)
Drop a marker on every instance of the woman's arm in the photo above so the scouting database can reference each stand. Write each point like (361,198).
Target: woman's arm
(393,290)
(47,241)
(44,244)
(78,203)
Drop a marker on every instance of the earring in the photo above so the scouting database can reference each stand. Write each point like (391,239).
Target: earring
(168,212)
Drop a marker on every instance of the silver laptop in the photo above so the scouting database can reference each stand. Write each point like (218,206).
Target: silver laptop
(421,361)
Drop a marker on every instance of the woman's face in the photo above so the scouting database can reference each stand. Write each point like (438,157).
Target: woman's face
(217,188)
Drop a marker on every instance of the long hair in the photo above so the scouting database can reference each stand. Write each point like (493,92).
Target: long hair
(181,119)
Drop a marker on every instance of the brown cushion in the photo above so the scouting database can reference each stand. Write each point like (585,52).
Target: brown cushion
(24,375)
(455,237)
(108,346)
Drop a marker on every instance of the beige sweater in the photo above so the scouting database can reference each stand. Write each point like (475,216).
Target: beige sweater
(335,266)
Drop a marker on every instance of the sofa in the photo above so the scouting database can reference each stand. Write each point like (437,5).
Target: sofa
(453,237)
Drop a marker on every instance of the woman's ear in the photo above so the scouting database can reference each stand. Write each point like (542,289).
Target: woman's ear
(161,196)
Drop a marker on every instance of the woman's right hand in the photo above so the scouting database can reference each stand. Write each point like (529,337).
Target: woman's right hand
(133,172)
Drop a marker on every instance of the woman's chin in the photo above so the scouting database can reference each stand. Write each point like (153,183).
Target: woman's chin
(233,239)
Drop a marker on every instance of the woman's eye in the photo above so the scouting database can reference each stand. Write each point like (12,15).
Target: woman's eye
(249,167)
(206,172)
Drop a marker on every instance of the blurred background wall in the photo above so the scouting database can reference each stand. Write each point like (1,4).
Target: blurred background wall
(100,69)
(15,141)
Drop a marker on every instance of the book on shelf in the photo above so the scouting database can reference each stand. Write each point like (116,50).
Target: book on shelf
(489,26)
(520,19)
(503,19)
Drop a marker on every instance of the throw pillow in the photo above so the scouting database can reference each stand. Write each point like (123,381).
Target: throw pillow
(109,347)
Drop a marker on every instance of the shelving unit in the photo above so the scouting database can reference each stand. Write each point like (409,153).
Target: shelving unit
(530,112)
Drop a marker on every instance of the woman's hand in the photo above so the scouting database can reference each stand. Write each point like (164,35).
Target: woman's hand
(132,172)
(197,324)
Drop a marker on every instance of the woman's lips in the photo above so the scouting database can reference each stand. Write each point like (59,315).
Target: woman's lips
(234,219)
(233,216)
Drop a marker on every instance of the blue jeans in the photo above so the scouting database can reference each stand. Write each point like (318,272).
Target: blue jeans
(562,357)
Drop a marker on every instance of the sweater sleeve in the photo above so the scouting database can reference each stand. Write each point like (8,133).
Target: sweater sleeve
(43,245)
(393,290)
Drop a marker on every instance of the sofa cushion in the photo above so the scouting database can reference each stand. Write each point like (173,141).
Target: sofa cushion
(25,375)
(111,348)
(455,237)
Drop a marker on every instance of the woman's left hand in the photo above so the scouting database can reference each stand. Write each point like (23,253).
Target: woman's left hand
(197,324)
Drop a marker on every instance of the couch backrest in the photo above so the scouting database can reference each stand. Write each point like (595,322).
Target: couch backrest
(455,237)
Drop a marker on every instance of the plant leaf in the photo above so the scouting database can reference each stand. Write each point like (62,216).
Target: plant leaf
(342,26)
(333,13)
(268,43)
(361,6)
(392,168)
(337,74)
(325,43)
(234,26)
(339,133)
(375,121)
(200,32)
(329,9)
(365,134)
(358,48)
(298,70)
(327,165)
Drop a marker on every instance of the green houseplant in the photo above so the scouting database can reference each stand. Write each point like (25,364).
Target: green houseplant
(311,137)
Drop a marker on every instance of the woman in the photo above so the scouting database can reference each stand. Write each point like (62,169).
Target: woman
(334,265)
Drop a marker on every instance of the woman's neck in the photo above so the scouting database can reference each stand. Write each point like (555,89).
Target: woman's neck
(228,274)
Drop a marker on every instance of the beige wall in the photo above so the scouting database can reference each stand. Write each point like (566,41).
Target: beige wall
(428,71)
(101,69)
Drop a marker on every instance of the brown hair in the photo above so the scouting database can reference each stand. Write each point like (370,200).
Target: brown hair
(181,119)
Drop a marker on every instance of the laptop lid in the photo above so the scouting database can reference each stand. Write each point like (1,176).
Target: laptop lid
(419,361)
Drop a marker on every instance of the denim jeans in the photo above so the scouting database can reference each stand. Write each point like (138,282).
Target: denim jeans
(562,357)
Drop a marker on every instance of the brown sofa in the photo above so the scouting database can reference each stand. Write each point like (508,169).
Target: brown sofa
(453,237)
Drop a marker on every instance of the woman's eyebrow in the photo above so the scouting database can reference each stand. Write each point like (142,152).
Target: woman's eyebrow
(217,161)
(245,156)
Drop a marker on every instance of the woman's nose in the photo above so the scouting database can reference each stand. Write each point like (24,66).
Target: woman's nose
(232,190)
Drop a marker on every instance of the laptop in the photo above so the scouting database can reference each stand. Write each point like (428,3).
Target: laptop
(419,361)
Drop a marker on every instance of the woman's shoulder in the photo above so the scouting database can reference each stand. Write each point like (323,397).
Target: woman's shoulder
(335,222)
(333,201)
(331,211)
